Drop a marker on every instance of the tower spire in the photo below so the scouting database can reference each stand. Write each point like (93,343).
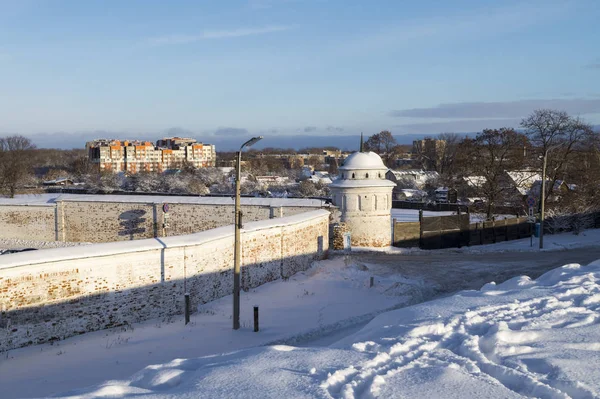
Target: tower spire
(361,142)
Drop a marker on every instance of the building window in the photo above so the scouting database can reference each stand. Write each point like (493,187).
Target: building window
(367,175)
(353,175)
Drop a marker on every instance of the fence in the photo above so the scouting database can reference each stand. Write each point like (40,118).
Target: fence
(447,207)
(428,206)
(456,231)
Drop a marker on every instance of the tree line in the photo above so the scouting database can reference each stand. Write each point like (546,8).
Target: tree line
(477,166)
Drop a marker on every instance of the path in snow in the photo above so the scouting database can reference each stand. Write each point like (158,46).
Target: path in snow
(451,272)
(499,342)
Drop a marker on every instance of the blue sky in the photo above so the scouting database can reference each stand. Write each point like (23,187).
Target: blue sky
(215,69)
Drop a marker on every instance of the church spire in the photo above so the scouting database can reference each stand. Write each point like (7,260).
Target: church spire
(361,142)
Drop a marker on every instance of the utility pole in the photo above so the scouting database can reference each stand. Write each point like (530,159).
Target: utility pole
(237,254)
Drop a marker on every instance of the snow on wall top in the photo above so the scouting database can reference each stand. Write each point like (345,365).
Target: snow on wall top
(120,247)
(51,199)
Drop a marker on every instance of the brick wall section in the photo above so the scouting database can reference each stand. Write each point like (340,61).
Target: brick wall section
(103,221)
(27,221)
(56,293)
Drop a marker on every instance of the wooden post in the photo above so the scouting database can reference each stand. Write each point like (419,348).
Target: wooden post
(420,228)
(187,308)
(371,282)
(460,230)
(256,319)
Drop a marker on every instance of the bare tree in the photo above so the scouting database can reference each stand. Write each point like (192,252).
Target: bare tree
(488,157)
(384,144)
(448,154)
(381,143)
(15,162)
(555,136)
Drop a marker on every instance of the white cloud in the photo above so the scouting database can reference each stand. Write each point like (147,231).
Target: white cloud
(506,109)
(217,34)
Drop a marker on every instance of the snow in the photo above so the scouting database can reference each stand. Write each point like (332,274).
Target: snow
(552,242)
(16,243)
(50,199)
(521,338)
(333,295)
(120,247)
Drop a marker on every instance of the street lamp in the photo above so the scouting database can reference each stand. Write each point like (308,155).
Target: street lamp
(543,200)
(238,225)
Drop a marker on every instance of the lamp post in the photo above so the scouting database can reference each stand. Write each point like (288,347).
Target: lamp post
(543,199)
(238,225)
(543,196)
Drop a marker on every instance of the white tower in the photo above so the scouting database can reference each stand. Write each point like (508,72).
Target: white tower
(364,197)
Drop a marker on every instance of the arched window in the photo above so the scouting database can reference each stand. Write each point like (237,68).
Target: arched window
(353,175)
(367,175)
(380,175)
(343,176)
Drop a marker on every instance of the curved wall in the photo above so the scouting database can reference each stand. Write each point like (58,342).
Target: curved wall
(367,213)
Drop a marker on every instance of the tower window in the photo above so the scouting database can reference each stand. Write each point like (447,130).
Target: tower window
(353,175)
(367,175)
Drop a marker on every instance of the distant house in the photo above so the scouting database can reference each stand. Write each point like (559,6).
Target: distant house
(271,180)
(321,177)
(523,180)
(409,194)
(515,185)
(418,177)
(58,182)
(560,188)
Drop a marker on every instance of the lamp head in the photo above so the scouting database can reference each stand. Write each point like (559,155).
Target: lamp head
(252,141)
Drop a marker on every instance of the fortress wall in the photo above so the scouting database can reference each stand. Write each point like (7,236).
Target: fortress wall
(115,219)
(55,293)
(26,221)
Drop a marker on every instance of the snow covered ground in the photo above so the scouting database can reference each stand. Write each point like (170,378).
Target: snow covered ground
(552,242)
(329,297)
(517,338)
(522,338)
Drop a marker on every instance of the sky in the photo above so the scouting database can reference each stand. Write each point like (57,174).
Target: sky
(222,71)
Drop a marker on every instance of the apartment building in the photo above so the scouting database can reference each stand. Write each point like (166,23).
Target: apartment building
(143,156)
(429,152)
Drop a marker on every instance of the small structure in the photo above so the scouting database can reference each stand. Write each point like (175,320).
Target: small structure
(63,181)
(364,197)
(445,195)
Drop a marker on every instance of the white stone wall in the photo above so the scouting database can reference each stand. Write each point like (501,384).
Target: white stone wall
(56,293)
(28,222)
(108,221)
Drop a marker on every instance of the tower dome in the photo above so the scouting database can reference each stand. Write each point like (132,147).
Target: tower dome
(364,197)
(363,160)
